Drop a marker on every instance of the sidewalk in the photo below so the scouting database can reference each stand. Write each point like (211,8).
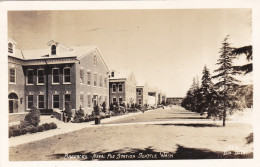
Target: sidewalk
(62,128)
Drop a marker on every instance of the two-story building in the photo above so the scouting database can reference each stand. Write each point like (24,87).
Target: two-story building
(122,87)
(142,92)
(50,77)
(174,100)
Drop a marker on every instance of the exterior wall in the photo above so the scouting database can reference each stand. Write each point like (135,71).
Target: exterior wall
(144,94)
(101,93)
(131,90)
(48,89)
(174,100)
(151,100)
(18,86)
(117,94)
(155,95)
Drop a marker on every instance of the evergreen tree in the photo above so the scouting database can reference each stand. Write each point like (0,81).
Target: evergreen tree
(226,82)
(206,93)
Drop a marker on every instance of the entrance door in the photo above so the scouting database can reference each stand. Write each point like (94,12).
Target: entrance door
(11,106)
(13,103)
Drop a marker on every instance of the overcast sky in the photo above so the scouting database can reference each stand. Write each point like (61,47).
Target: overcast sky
(165,47)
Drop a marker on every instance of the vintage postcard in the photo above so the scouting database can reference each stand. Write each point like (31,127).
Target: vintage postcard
(129,84)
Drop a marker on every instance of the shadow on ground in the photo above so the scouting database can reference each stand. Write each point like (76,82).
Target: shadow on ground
(190,125)
(183,118)
(149,154)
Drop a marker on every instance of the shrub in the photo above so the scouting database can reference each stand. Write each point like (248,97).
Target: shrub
(24,124)
(24,131)
(33,117)
(46,126)
(34,129)
(41,128)
(53,125)
(81,119)
(104,107)
(10,133)
(68,111)
(17,132)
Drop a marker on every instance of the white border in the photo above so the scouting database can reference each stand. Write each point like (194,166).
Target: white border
(66,5)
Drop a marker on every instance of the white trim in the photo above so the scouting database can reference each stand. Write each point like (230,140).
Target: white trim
(113,88)
(38,101)
(64,99)
(83,81)
(38,77)
(94,79)
(27,77)
(53,101)
(89,84)
(27,107)
(64,75)
(101,81)
(89,102)
(118,88)
(14,75)
(53,75)
(113,99)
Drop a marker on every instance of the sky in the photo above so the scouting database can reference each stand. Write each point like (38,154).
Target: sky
(165,47)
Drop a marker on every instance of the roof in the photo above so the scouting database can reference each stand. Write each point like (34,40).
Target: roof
(141,83)
(153,89)
(76,51)
(121,74)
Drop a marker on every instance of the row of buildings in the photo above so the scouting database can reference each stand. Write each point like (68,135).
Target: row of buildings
(50,77)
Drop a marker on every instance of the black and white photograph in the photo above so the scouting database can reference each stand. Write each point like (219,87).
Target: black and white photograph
(128,85)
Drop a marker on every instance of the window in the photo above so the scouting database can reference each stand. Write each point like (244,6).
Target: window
(81,80)
(10,48)
(89,101)
(95,60)
(139,91)
(95,79)
(120,88)
(101,81)
(112,74)
(30,76)
(81,100)
(29,101)
(40,101)
(89,77)
(114,88)
(140,101)
(67,99)
(55,76)
(53,50)
(12,75)
(120,100)
(56,101)
(114,100)
(40,76)
(66,75)
(105,82)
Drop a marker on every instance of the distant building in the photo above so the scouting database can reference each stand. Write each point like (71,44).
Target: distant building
(48,78)
(153,96)
(164,97)
(142,92)
(122,87)
(174,100)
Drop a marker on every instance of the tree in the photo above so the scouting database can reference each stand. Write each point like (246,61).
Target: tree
(245,50)
(206,92)
(33,117)
(226,99)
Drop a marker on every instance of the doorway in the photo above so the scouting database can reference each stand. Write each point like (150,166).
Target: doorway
(13,103)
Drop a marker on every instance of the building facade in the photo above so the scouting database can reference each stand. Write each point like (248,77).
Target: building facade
(174,100)
(122,87)
(142,92)
(48,78)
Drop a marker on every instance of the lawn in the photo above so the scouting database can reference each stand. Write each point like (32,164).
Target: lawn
(183,141)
